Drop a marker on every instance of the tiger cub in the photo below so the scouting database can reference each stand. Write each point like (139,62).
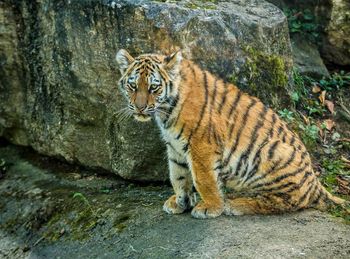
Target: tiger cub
(217,136)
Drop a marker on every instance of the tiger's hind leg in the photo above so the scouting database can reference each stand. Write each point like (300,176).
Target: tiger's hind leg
(255,205)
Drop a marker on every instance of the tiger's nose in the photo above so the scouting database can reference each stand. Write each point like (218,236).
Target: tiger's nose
(141,107)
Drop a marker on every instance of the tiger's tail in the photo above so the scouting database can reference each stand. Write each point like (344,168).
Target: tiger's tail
(325,200)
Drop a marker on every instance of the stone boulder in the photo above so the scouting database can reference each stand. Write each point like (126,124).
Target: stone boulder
(307,59)
(58,72)
(336,48)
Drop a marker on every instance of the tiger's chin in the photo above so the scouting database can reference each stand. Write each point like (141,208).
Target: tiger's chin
(142,118)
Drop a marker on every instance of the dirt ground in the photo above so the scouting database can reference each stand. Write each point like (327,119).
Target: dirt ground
(49,209)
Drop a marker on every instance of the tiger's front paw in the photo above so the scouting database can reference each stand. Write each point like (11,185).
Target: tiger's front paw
(171,207)
(186,201)
(204,211)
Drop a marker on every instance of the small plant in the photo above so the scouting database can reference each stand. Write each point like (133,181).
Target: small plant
(335,82)
(286,114)
(314,107)
(88,208)
(304,98)
(80,196)
(309,134)
(341,212)
(333,168)
(303,22)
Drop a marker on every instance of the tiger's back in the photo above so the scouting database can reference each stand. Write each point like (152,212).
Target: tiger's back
(217,136)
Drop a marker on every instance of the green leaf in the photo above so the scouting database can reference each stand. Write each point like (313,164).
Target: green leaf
(308,16)
(296,25)
(295,96)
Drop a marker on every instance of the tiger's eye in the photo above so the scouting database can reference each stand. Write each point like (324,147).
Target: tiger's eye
(132,87)
(154,87)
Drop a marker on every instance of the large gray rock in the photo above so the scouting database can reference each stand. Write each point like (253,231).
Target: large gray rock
(59,77)
(307,59)
(337,43)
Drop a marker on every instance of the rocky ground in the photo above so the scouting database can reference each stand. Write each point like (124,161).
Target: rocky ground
(49,209)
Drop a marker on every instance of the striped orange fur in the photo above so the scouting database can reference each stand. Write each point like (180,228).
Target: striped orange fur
(216,137)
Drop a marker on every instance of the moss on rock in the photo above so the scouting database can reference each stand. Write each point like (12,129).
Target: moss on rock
(263,75)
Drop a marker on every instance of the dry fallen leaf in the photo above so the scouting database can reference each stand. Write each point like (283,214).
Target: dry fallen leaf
(329,105)
(316,89)
(322,97)
(344,139)
(346,161)
(330,124)
(306,119)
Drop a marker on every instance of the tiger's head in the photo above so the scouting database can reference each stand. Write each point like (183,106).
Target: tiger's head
(147,81)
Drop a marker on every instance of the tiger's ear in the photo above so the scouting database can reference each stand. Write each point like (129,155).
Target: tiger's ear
(172,63)
(124,60)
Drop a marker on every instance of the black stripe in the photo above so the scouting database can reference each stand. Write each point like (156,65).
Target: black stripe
(302,198)
(217,139)
(210,131)
(285,193)
(172,102)
(223,99)
(291,158)
(254,135)
(185,146)
(181,108)
(255,168)
(257,159)
(239,165)
(232,125)
(303,155)
(234,104)
(181,131)
(285,197)
(179,113)
(170,86)
(319,196)
(205,101)
(274,119)
(211,111)
(203,108)
(284,137)
(212,99)
(280,129)
(171,146)
(272,150)
(166,91)
(218,167)
(169,123)
(181,178)
(224,176)
(277,188)
(282,177)
(301,183)
(180,164)
(243,124)
(273,168)
(292,141)
(312,194)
